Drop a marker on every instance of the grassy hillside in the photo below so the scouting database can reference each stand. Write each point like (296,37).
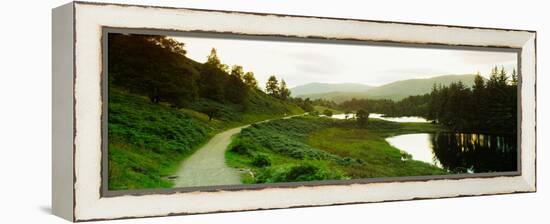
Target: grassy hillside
(148,141)
(313,88)
(164,105)
(396,90)
(312,148)
(260,106)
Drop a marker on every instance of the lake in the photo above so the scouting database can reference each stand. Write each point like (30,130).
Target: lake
(381,116)
(461,153)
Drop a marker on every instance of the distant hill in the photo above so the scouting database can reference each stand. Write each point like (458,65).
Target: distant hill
(395,90)
(315,88)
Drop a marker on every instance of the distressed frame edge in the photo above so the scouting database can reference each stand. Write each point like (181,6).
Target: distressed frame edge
(105,192)
(62,18)
(529,65)
(298,16)
(526,181)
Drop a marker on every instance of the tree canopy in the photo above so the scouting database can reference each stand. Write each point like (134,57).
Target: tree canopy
(277,89)
(250,80)
(362,117)
(489,106)
(156,66)
(272,86)
(284,92)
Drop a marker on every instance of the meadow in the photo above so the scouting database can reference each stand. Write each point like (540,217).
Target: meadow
(313,148)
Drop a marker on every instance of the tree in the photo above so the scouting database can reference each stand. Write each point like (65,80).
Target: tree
(154,66)
(237,70)
(479,102)
(503,75)
(479,82)
(236,91)
(327,113)
(250,80)
(272,86)
(514,77)
(170,44)
(305,104)
(284,92)
(211,112)
(497,79)
(362,117)
(433,104)
(489,106)
(213,59)
(212,82)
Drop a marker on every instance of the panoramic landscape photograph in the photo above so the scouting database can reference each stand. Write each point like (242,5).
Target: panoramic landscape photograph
(217,110)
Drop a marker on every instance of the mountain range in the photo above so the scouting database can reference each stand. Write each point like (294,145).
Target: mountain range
(316,87)
(394,91)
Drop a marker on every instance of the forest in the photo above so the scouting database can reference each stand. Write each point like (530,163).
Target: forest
(156,66)
(489,106)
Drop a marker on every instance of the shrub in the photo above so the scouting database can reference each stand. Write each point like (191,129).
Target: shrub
(298,173)
(362,118)
(261,160)
(405,155)
(287,137)
(302,173)
(240,149)
(327,113)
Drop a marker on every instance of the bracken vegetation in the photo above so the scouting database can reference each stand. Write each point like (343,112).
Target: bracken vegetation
(313,148)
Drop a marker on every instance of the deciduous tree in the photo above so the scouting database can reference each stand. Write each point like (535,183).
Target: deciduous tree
(327,113)
(272,86)
(237,70)
(284,92)
(362,117)
(250,80)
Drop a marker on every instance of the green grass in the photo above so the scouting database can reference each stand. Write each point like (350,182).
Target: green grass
(311,148)
(369,145)
(260,107)
(147,142)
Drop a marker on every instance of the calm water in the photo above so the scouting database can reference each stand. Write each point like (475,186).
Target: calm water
(461,153)
(381,116)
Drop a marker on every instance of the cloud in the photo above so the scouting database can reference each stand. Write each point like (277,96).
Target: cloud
(315,63)
(301,63)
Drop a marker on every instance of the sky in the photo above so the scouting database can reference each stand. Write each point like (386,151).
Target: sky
(299,63)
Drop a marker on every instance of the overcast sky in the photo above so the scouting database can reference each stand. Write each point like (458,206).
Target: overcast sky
(300,63)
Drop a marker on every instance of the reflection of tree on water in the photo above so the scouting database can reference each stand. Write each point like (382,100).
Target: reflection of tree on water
(475,153)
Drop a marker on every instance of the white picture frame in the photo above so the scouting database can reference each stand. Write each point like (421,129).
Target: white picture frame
(78,28)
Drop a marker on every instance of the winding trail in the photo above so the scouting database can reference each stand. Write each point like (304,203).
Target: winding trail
(207,167)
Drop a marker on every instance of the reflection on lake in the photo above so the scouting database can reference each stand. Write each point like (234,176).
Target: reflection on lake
(381,116)
(461,153)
